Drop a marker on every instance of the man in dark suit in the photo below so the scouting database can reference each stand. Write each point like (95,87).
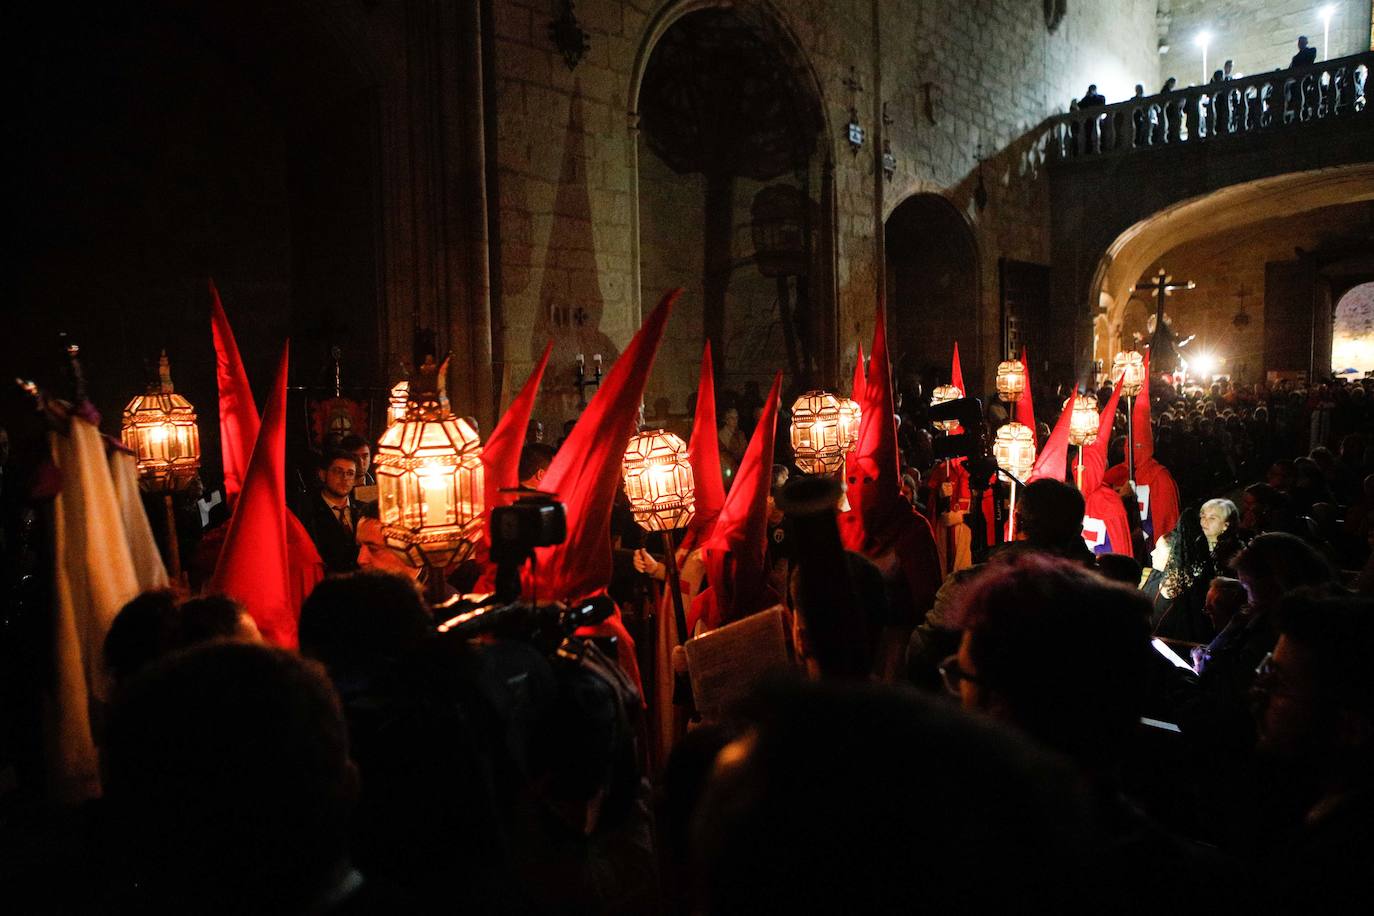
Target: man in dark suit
(1305,54)
(331,514)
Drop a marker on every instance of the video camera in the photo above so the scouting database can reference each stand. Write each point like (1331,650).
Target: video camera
(535,519)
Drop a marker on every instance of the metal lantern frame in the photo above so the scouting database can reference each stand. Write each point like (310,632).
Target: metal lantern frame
(1083,422)
(818,443)
(659,481)
(1129,366)
(429,484)
(1014,449)
(1011,380)
(943,394)
(851,415)
(159,427)
(661,487)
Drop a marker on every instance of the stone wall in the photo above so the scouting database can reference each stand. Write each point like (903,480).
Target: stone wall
(572,235)
(1257,35)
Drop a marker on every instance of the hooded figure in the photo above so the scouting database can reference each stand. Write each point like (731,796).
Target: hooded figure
(254,566)
(735,553)
(1106,528)
(238,433)
(501,451)
(882,524)
(585,475)
(1155,489)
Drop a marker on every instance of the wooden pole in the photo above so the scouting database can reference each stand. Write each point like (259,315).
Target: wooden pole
(173,548)
(674,587)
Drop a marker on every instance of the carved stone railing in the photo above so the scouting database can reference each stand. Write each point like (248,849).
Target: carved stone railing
(1266,102)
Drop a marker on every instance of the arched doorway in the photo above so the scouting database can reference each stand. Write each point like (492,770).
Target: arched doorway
(932,291)
(1352,343)
(730,184)
(1192,223)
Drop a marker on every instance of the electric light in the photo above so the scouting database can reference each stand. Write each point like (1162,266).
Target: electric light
(1011,380)
(658,481)
(943,394)
(159,427)
(1083,421)
(817,438)
(429,479)
(1014,449)
(1204,365)
(1130,365)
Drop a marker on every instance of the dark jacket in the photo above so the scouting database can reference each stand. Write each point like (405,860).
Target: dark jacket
(337,544)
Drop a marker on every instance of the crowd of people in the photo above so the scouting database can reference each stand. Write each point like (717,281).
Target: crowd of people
(1185,721)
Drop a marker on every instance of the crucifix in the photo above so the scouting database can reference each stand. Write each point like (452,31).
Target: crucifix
(1162,285)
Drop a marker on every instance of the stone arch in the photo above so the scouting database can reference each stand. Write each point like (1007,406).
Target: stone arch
(1226,209)
(934,280)
(1353,333)
(800,304)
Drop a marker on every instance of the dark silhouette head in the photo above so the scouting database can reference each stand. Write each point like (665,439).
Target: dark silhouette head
(1049,514)
(1016,614)
(836,801)
(142,632)
(352,622)
(1276,563)
(227,774)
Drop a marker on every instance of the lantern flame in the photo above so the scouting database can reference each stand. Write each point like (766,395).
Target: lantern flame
(658,480)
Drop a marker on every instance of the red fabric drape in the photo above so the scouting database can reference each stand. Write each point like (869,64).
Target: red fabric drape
(1025,408)
(238,431)
(501,451)
(736,566)
(253,566)
(881,520)
(703,453)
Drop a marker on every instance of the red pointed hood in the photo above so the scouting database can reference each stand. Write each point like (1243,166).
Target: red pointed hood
(1140,419)
(856,390)
(703,451)
(875,482)
(1025,408)
(956,371)
(501,451)
(736,568)
(253,565)
(1094,456)
(1053,460)
(586,471)
(238,415)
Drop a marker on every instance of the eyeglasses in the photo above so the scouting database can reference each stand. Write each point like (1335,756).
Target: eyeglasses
(343,472)
(953,675)
(1269,681)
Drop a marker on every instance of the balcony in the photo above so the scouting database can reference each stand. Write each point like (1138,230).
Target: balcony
(1265,103)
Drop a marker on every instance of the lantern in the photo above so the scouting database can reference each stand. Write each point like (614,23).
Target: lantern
(850,415)
(658,481)
(943,395)
(397,403)
(817,435)
(160,429)
(1130,365)
(1014,449)
(1083,422)
(429,479)
(1011,380)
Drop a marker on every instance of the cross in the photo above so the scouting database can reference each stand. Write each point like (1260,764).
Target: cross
(1161,286)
